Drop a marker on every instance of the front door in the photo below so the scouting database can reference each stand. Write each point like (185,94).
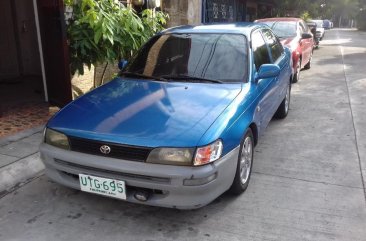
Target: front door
(55,51)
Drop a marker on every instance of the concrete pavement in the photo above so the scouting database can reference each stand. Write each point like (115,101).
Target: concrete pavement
(308,181)
(19,159)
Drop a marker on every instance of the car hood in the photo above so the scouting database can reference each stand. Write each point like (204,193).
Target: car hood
(146,113)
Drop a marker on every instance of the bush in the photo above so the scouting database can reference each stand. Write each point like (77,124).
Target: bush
(103,31)
(305,16)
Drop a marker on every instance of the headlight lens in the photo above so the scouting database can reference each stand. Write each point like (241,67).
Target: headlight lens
(207,154)
(184,156)
(57,139)
(171,156)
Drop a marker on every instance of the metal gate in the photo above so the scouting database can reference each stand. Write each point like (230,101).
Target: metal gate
(223,11)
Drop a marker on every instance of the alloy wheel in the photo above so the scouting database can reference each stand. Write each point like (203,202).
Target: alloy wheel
(246,159)
(287,99)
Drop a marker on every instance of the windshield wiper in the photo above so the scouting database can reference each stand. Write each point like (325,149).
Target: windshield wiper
(188,77)
(132,74)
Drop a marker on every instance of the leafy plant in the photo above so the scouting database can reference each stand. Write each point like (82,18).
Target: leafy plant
(102,31)
(305,16)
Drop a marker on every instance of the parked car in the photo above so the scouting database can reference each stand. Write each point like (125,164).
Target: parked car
(327,24)
(294,33)
(320,31)
(312,27)
(179,125)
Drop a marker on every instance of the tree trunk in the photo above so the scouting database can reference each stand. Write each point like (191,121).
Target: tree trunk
(340,21)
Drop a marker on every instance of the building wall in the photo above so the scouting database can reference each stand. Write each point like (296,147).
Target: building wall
(195,11)
(9,66)
(183,12)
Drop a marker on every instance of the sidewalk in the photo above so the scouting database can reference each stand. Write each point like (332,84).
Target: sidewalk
(19,159)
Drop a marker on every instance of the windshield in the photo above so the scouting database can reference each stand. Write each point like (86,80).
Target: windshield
(283,29)
(220,57)
(319,23)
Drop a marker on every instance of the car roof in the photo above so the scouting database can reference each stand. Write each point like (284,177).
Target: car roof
(279,19)
(311,23)
(234,28)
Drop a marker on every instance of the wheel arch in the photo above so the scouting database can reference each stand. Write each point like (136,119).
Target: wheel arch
(254,129)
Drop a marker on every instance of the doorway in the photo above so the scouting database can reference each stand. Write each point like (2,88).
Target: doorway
(22,98)
(20,66)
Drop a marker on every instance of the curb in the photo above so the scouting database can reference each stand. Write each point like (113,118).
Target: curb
(19,173)
(20,135)
(23,170)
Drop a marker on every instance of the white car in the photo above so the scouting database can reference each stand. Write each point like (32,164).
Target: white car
(319,28)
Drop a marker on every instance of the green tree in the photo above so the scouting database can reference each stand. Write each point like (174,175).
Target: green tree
(342,9)
(105,31)
(323,9)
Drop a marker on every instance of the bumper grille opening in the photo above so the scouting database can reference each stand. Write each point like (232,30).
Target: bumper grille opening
(129,153)
(103,172)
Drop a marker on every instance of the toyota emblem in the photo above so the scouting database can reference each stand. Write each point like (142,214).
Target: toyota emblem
(105,149)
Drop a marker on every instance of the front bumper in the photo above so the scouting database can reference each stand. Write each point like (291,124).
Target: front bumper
(319,34)
(164,182)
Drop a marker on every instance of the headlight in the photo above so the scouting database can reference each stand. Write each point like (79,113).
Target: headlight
(57,139)
(171,156)
(207,154)
(184,156)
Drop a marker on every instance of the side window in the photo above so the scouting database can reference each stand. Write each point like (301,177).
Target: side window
(274,45)
(305,26)
(302,29)
(260,50)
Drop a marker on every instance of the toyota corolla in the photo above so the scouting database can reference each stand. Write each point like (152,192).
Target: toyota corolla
(178,127)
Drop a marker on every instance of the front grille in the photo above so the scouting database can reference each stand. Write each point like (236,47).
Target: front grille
(130,153)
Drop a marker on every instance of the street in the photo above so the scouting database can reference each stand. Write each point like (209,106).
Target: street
(308,181)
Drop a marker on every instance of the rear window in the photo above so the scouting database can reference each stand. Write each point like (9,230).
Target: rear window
(283,29)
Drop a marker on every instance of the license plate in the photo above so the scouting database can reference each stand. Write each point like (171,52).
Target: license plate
(103,186)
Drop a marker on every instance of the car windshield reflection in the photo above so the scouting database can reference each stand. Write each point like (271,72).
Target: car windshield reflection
(205,58)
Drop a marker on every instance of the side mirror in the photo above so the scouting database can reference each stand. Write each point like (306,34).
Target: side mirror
(306,36)
(267,71)
(122,64)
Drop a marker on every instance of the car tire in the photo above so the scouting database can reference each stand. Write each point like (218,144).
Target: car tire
(296,77)
(244,164)
(308,65)
(284,107)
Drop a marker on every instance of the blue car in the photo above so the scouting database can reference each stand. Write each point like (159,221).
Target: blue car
(179,125)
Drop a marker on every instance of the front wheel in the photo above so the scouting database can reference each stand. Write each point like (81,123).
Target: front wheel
(244,164)
(284,107)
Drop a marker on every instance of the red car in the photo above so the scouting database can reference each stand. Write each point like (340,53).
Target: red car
(295,34)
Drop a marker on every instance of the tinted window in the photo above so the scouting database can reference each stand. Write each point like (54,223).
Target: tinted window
(274,46)
(213,56)
(283,29)
(260,50)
